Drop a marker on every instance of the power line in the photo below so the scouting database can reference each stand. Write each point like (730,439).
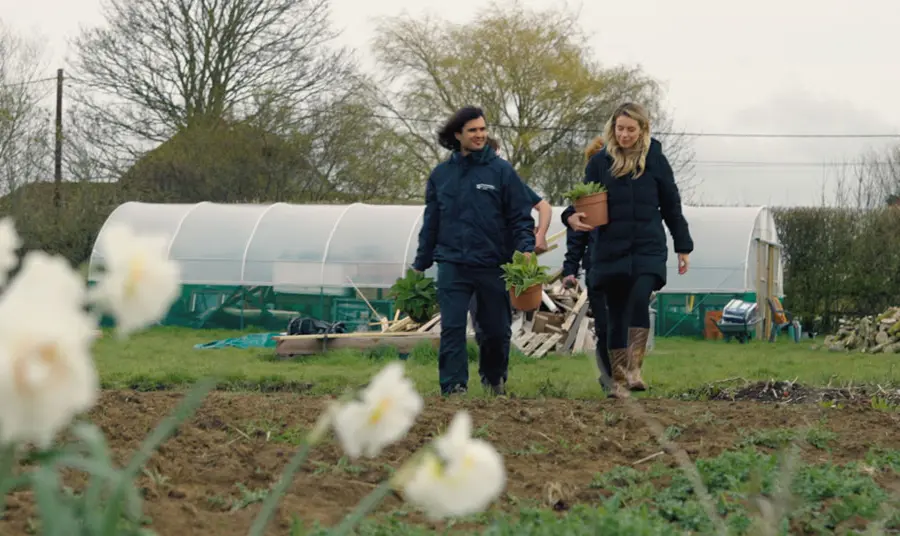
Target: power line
(693,134)
(773,163)
(27,82)
(548,128)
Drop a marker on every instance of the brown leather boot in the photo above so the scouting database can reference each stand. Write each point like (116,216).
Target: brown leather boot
(619,363)
(637,344)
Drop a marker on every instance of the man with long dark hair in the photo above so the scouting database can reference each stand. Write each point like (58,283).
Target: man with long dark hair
(545,213)
(475,204)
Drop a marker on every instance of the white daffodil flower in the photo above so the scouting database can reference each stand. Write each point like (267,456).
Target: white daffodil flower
(461,477)
(47,374)
(140,282)
(44,280)
(386,411)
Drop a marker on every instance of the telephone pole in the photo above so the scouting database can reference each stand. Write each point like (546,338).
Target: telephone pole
(57,164)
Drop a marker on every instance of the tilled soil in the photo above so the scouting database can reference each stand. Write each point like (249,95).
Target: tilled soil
(552,450)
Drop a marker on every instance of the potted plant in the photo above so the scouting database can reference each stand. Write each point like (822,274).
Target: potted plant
(590,199)
(525,279)
(415,295)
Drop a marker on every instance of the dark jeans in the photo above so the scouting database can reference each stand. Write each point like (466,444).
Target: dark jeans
(628,300)
(479,338)
(456,286)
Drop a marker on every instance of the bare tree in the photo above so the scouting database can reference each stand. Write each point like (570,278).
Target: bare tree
(532,72)
(871,181)
(166,65)
(25,135)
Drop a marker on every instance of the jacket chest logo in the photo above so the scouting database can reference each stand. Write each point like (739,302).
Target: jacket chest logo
(486,187)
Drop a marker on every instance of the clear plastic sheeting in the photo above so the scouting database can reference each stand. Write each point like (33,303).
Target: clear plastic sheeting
(725,250)
(305,248)
(369,246)
(287,249)
(210,244)
(164,220)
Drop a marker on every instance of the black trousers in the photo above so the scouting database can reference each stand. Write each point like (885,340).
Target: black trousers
(456,286)
(601,317)
(628,300)
(479,338)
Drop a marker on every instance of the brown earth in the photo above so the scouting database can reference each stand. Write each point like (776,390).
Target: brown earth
(552,448)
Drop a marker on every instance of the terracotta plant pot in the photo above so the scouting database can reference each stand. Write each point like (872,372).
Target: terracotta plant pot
(594,208)
(529,300)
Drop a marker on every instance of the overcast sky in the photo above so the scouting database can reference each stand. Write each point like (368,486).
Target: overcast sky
(769,66)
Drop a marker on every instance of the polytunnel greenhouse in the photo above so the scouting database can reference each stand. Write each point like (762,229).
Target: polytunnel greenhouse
(260,265)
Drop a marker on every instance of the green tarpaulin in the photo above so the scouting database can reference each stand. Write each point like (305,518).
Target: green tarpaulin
(254,340)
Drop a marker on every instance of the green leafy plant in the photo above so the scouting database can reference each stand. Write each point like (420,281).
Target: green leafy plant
(415,295)
(584,190)
(523,273)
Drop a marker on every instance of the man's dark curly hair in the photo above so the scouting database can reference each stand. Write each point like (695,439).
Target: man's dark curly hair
(447,134)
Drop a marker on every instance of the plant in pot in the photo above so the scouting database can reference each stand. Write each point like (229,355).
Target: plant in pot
(525,279)
(590,199)
(416,295)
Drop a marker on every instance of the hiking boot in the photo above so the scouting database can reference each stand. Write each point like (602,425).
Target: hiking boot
(496,389)
(456,390)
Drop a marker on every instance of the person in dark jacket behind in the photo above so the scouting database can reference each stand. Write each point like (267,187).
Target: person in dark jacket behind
(578,250)
(475,203)
(628,257)
(545,214)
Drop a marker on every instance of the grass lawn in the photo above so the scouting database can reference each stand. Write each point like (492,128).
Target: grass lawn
(165,358)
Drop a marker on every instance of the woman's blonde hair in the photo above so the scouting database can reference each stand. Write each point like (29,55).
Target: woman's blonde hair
(634,160)
(593,148)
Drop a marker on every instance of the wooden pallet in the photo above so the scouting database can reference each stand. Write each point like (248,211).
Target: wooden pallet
(537,344)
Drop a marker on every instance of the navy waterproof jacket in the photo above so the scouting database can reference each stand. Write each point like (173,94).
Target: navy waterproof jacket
(634,241)
(473,205)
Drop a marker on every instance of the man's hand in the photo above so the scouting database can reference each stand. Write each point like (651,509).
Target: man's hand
(576,222)
(540,242)
(570,281)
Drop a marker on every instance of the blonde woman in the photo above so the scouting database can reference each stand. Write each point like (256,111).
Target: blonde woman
(628,254)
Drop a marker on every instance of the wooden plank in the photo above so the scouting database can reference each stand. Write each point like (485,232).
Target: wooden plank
(430,324)
(303,345)
(760,289)
(331,336)
(402,325)
(581,310)
(548,345)
(579,305)
(584,332)
(289,346)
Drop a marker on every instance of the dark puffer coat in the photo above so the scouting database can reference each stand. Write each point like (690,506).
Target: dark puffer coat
(634,242)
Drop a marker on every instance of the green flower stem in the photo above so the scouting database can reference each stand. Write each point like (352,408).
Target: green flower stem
(287,477)
(274,496)
(185,409)
(369,503)
(372,500)
(7,462)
